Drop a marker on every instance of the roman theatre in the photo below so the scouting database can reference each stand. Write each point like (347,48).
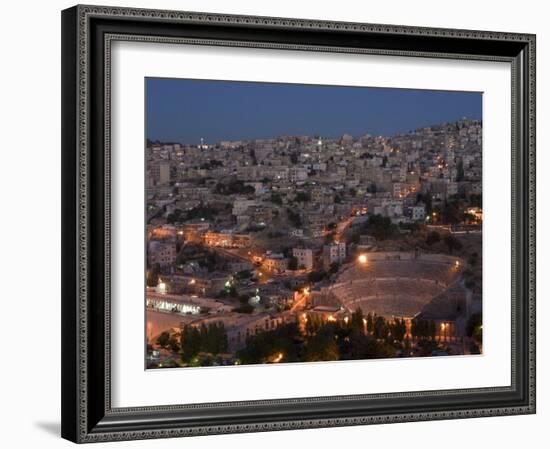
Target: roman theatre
(401,284)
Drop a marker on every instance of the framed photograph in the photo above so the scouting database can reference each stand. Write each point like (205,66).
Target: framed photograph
(283,223)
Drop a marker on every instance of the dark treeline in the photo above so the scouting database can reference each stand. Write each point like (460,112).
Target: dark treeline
(357,337)
(314,338)
(210,339)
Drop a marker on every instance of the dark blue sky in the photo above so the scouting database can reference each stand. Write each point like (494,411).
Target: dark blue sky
(183,110)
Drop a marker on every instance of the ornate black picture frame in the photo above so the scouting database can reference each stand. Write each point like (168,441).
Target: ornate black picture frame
(87,34)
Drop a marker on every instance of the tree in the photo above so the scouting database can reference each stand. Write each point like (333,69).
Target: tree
(163,339)
(380,227)
(215,340)
(452,243)
(433,237)
(316,276)
(473,259)
(451,212)
(363,346)
(293,263)
(190,342)
(276,199)
(303,197)
(426,199)
(294,218)
(380,327)
(173,343)
(460,171)
(370,323)
(234,186)
(476,200)
(153,276)
(372,188)
(244,308)
(423,328)
(253,156)
(474,327)
(474,348)
(261,348)
(321,348)
(357,318)
(334,266)
(432,329)
(398,329)
(355,238)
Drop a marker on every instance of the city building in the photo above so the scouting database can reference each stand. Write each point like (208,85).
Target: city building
(333,253)
(162,252)
(305,258)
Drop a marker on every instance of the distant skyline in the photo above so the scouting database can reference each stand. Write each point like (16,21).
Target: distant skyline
(182,110)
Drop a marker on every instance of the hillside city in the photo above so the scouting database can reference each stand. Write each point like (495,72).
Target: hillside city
(309,248)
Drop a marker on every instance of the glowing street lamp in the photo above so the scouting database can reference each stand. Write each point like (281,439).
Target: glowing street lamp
(161,287)
(362,259)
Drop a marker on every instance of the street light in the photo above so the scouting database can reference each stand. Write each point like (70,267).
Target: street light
(362,259)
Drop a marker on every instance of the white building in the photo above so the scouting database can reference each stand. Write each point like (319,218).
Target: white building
(161,172)
(397,190)
(418,212)
(162,252)
(240,206)
(298,174)
(275,262)
(304,256)
(333,253)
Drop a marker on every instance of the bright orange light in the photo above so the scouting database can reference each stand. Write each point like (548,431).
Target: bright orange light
(362,259)
(331,318)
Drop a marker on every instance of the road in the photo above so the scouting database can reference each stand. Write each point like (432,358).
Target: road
(300,303)
(341,228)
